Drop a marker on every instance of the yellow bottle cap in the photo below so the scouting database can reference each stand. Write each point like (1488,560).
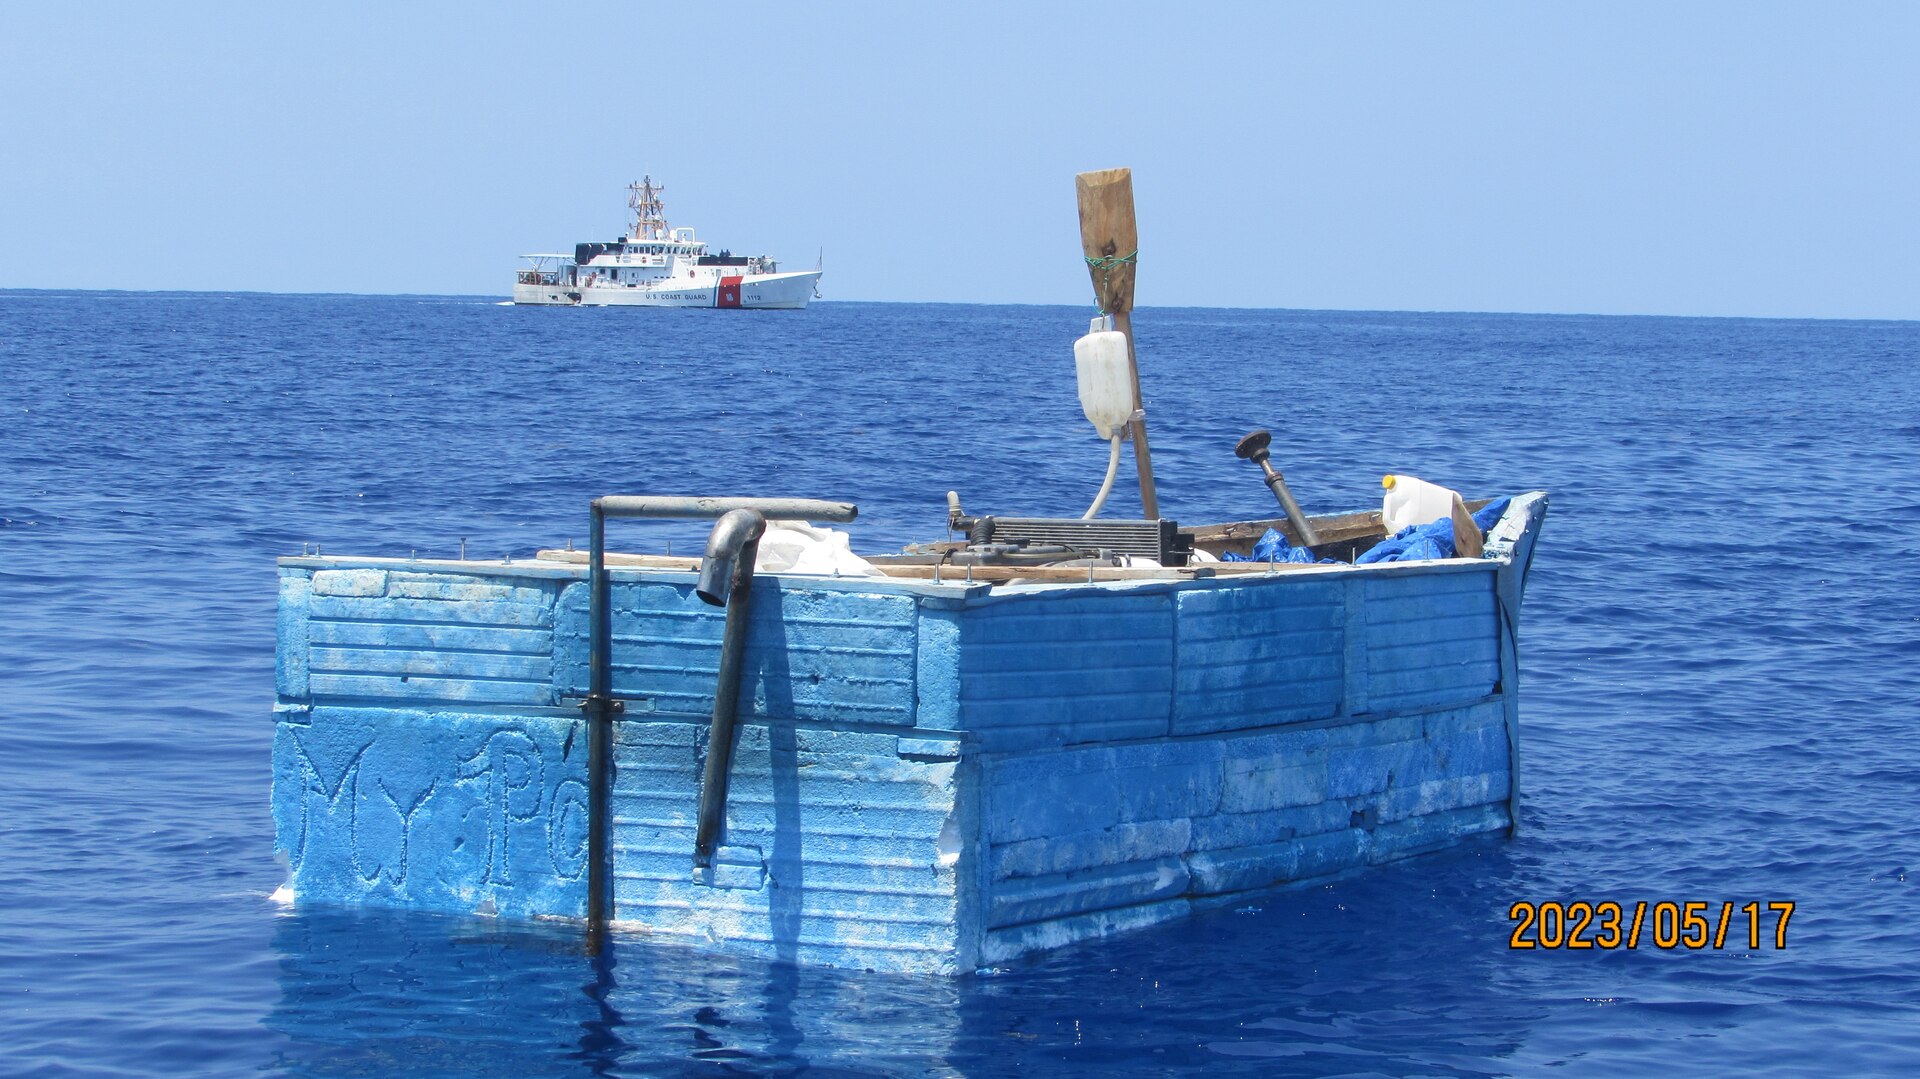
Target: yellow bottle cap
(1387,480)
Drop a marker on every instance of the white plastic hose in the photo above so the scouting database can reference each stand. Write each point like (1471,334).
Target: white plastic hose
(1113,466)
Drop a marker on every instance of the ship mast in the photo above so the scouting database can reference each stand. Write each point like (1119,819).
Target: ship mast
(649,213)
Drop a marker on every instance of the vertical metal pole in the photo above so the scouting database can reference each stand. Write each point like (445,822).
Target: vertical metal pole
(599,731)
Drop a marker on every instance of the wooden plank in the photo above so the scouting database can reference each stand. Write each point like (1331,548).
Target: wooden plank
(1070,574)
(650,561)
(1466,534)
(1238,536)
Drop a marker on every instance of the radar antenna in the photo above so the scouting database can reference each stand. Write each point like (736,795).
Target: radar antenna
(649,213)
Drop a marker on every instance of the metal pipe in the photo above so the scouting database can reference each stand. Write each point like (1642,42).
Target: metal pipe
(775,509)
(599,708)
(1254,448)
(726,577)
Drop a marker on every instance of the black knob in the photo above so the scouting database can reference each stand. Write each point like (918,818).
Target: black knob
(1254,446)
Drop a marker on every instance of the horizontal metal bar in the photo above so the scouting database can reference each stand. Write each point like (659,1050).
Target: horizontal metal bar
(778,509)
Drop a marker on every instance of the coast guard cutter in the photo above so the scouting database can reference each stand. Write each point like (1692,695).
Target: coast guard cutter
(658,265)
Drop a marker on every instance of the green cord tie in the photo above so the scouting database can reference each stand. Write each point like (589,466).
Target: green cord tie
(1106,264)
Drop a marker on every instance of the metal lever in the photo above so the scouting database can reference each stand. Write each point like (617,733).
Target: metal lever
(1254,448)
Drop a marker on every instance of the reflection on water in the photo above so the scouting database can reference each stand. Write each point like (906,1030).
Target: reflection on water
(1288,982)
(380,992)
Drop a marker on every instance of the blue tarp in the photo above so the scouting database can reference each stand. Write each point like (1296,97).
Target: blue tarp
(1273,547)
(1434,540)
(1414,542)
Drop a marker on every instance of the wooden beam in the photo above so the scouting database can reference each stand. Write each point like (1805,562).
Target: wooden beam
(1108,235)
(1107,231)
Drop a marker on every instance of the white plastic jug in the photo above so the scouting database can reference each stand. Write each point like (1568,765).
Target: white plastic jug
(1106,382)
(1411,500)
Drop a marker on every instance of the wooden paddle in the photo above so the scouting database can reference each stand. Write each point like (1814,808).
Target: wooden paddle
(1108,238)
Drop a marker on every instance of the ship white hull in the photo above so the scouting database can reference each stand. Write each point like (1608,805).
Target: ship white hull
(788,291)
(555,295)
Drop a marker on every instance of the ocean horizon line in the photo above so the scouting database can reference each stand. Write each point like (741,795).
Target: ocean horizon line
(503,300)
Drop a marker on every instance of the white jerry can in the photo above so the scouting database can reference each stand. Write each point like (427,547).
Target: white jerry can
(1411,500)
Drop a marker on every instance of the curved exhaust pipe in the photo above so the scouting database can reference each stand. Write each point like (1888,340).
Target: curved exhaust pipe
(726,578)
(731,549)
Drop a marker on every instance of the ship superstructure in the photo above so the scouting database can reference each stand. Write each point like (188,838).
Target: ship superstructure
(658,265)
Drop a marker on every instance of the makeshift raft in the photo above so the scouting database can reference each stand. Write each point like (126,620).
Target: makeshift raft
(934,770)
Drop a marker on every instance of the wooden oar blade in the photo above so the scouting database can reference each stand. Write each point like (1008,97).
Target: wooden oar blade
(1107,234)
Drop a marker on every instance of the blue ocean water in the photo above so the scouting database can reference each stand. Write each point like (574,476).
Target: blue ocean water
(1720,698)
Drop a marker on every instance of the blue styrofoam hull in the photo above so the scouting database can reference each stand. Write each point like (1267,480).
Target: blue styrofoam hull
(929,777)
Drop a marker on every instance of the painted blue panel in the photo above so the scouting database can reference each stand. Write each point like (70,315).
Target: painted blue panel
(1221,831)
(431,689)
(1253,789)
(1033,899)
(1431,639)
(1078,790)
(1041,670)
(1394,588)
(1433,687)
(1213,610)
(1258,653)
(1470,752)
(836,845)
(290,639)
(1373,767)
(393,635)
(469,588)
(937,669)
(436,810)
(357,608)
(819,656)
(1141,841)
(1443,795)
(441,663)
(1376,730)
(1419,835)
(349,582)
(455,638)
(1012,942)
(1243,868)
(1273,770)
(1330,853)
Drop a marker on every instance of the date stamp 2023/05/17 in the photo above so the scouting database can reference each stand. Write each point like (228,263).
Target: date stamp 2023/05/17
(1694,925)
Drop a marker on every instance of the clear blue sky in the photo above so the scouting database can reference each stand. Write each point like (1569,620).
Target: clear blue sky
(1691,158)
